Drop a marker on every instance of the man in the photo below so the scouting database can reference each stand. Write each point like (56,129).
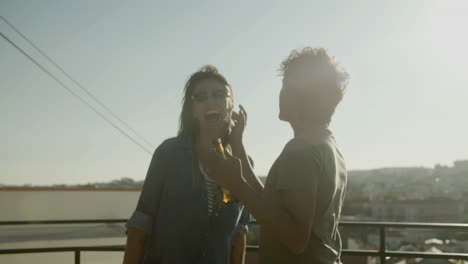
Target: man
(299,207)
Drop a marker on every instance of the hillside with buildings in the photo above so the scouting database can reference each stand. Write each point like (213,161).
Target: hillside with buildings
(438,194)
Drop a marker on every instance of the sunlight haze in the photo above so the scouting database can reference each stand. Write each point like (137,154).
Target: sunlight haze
(406,104)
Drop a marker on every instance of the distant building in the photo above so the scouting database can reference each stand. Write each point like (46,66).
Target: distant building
(431,210)
(461,165)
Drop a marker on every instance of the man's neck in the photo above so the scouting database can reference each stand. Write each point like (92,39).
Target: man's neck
(306,130)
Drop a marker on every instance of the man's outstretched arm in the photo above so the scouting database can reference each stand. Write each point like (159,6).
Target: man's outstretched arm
(288,219)
(247,170)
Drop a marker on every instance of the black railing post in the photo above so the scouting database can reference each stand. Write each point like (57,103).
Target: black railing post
(382,251)
(77,257)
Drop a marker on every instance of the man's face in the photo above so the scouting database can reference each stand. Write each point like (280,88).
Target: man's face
(288,101)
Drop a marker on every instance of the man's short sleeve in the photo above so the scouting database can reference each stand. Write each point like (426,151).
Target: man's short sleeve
(143,216)
(299,170)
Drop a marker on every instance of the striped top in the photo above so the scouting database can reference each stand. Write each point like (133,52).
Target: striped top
(213,191)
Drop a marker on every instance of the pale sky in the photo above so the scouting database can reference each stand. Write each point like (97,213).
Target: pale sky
(406,103)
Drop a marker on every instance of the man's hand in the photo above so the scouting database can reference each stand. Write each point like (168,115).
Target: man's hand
(227,173)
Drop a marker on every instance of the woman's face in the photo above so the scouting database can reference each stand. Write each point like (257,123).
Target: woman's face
(212,104)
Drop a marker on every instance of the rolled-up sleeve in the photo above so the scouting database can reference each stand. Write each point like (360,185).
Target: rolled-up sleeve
(148,203)
(140,220)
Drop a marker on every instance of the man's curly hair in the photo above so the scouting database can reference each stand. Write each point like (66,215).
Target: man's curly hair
(325,78)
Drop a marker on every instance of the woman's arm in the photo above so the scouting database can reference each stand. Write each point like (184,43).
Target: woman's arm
(135,245)
(238,248)
(141,222)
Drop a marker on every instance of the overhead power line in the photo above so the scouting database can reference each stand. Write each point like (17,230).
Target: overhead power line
(89,93)
(75,94)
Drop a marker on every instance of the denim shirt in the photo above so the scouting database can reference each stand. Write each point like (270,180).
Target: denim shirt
(173,210)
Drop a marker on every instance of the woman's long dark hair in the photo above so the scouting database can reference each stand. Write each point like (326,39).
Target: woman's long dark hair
(188,126)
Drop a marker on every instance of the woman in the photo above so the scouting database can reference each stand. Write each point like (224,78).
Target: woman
(180,216)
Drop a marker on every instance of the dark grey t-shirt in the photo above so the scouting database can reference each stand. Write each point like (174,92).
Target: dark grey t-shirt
(318,168)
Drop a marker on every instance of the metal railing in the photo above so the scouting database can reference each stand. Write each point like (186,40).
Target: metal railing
(382,253)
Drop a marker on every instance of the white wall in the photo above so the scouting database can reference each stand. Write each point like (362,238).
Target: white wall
(58,205)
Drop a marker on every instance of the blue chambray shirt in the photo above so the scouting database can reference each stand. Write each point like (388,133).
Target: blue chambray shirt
(173,210)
